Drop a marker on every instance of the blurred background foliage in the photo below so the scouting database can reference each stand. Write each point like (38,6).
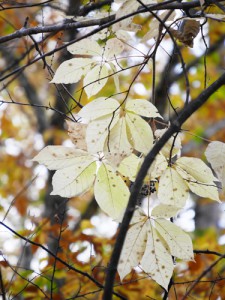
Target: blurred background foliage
(75,230)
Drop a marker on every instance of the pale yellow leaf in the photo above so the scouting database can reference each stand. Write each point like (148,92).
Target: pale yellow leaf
(97,132)
(143,108)
(117,146)
(203,189)
(196,168)
(115,77)
(206,190)
(172,147)
(130,166)
(157,168)
(123,34)
(113,47)
(141,136)
(217,17)
(99,107)
(133,249)
(157,261)
(215,154)
(165,211)
(85,47)
(110,191)
(95,80)
(172,189)
(127,7)
(72,70)
(59,157)
(179,242)
(74,180)
(77,133)
(138,216)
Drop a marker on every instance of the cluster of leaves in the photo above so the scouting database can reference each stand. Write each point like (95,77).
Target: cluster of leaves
(111,139)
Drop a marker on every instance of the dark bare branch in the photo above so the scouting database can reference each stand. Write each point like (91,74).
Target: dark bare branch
(187,111)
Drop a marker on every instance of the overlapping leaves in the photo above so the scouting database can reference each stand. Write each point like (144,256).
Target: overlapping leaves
(175,180)
(95,63)
(151,241)
(114,141)
(117,128)
(77,171)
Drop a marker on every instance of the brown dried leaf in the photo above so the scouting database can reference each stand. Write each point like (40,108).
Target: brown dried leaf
(77,133)
(189,30)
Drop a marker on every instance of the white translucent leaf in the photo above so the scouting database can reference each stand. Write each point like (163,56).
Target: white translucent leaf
(130,166)
(158,166)
(196,168)
(146,2)
(72,70)
(133,249)
(143,108)
(179,242)
(172,189)
(205,190)
(110,191)
(98,131)
(172,147)
(59,157)
(98,108)
(215,154)
(127,7)
(126,25)
(85,47)
(153,32)
(123,34)
(138,216)
(77,133)
(74,180)
(113,47)
(219,17)
(102,34)
(95,80)
(115,77)
(165,211)
(157,261)
(140,132)
(117,146)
